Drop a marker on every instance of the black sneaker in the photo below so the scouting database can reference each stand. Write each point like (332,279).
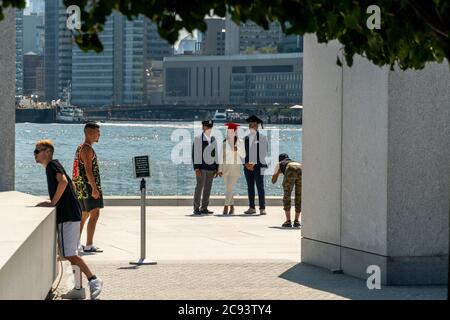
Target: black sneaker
(206,211)
(287,224)
(197,212)
(297,224)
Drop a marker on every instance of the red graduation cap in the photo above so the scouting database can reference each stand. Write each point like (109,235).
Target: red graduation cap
(232,125)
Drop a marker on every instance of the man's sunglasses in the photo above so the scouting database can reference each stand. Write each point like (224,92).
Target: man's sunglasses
(37,151)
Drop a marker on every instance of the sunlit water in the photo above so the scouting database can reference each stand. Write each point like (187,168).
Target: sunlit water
(119,142)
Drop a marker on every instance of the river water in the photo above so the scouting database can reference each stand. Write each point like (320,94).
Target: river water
(167,143)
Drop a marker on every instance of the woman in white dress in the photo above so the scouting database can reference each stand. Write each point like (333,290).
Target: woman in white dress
(233,150)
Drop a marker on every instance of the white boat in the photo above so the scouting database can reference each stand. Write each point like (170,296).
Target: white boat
(220,116)
(66,112)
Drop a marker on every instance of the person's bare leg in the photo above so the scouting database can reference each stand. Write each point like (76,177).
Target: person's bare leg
(84,217)
(93,218)
(288,215)
(297,216)
(78,261)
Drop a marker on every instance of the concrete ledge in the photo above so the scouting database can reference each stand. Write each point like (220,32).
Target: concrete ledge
(27,247)
(182,201)
(425,270)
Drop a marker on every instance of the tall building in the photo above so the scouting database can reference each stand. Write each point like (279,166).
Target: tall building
(157,47)
(231,37)
(57,51)
(34,33)
(118,75)
(224,37)
(221,37)
(33,74)
(253,36)
(93,73)
(133,63)
(19,52)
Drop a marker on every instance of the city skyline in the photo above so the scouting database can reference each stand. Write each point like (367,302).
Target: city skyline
(125,73)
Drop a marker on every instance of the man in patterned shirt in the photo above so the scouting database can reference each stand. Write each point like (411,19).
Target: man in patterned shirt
(86,178)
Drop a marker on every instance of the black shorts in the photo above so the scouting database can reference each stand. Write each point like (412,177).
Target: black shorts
(91,204)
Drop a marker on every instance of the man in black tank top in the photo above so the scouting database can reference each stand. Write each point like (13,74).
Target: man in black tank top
(86,177)
(292,172)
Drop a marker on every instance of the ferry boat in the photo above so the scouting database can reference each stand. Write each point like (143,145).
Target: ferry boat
(66,112)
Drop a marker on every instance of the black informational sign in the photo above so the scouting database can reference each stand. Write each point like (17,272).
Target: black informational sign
(141,167)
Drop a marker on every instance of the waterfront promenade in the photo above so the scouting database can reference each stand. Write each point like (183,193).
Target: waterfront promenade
(216,257)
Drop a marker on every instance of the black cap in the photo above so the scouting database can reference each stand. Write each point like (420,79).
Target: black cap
(208,123)
(254,118)
(282,157)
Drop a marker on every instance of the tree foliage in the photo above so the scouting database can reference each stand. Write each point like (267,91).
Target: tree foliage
(412,32)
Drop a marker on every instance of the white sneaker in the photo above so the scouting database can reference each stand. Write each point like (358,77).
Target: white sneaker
(80,247)
(92,248)
(262,212)
(250,211)
(95,287)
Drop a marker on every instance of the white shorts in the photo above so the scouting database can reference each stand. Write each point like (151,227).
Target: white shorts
(68,238)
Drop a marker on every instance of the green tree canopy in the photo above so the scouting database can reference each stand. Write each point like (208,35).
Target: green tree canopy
(412,32)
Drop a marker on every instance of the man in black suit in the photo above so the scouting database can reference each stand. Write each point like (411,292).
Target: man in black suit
(256,147)
(206,164)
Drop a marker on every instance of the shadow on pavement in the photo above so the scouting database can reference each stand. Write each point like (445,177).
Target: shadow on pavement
(237,215)
(134,267)
(284,228)
(354,288)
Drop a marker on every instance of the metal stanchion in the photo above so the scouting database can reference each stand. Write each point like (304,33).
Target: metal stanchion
(143,260)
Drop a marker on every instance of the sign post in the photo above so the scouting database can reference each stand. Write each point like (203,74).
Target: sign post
(141,168)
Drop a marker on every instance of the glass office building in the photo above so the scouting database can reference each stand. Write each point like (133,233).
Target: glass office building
(19,52)
(117,76)
(57,50)
(93,73)
(133,62)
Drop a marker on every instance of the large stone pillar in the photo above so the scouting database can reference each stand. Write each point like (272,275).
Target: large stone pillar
(7,104)
(376,181)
